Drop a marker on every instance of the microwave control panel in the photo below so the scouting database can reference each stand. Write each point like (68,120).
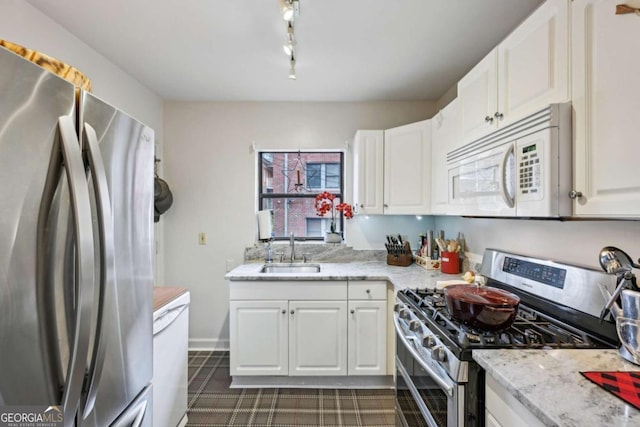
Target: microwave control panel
(529,161)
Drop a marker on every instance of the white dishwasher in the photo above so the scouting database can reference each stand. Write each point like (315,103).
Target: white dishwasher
(170,360)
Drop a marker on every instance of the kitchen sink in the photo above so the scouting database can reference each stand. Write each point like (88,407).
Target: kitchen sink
(290,268)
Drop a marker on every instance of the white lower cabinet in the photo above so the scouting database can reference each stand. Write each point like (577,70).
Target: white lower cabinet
(367,338)
(340,330)
(259,337)
(504,410)
(317,338)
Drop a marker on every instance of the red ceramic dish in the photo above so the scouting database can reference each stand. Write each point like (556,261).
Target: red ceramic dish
(482,307)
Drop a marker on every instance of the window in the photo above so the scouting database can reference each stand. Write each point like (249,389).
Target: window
(288,185)
(323,176)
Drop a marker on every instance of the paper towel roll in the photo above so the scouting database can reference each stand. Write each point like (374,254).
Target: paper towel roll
(265,224)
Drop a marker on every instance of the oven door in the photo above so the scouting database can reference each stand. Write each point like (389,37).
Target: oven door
(424,396)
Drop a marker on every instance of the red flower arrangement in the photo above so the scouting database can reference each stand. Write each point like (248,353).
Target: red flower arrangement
(325,203)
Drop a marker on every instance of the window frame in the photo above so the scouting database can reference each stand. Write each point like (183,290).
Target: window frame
(311,194)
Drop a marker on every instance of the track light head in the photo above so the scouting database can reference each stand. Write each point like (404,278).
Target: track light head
(292,68)
(290,9)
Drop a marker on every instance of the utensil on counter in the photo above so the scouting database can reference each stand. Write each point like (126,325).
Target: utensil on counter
(616,261)
(398,250)
(482,307)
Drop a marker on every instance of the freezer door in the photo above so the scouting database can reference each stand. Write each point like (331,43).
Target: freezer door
(121,361)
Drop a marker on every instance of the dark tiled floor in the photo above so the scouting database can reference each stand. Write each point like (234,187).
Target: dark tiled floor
(213,403)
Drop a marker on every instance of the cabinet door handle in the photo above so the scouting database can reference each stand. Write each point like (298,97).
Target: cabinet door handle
(368,291)
(293,311)
(284,311)
(353,312)
(386,205)
(574,194)
(498,115)
(488,119)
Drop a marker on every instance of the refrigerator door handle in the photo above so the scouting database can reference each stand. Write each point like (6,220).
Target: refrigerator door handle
(84,264)
(107,263)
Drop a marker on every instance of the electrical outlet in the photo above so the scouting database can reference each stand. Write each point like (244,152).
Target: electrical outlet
(202,238)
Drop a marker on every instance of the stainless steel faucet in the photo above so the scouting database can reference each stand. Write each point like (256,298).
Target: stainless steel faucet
(293,247)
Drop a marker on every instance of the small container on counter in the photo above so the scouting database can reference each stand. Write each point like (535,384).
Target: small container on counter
(450,262)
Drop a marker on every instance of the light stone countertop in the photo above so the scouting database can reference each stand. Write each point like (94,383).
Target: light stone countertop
(549,384)
(412,276)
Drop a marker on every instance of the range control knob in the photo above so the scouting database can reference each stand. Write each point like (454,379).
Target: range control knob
(428,341)
(404,313)
(414,325)
(397,307)
(438,352)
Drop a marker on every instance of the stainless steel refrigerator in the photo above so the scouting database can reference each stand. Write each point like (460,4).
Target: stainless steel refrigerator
(76,251)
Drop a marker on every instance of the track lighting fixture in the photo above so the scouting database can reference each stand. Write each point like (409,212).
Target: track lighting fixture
(290,9)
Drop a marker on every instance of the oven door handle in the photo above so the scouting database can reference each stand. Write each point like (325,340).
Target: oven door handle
(410,344)
(422,407)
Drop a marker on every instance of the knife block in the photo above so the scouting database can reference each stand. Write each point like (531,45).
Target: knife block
(403,259)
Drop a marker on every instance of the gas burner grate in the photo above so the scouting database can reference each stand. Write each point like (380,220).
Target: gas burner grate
(531,329)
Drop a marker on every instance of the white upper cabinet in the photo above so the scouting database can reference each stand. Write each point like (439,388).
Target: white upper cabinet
(606,100)
(526,72)
(368,164)
(478,97)
(392,170)
(445,136)
(407,164)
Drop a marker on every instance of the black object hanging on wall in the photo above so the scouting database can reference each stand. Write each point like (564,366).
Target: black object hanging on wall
(163,199)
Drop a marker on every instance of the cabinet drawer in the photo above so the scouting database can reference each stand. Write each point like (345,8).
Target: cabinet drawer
(288,290)
(374,290)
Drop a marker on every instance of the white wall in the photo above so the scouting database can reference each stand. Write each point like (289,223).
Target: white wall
(21,23)
(575,242)
(212,170)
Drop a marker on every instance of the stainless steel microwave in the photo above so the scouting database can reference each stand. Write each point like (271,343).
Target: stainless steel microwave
(521,170)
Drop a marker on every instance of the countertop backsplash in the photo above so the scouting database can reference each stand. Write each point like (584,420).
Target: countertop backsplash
(319,252)
(314,252)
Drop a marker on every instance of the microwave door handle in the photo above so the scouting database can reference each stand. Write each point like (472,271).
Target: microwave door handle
(508,199)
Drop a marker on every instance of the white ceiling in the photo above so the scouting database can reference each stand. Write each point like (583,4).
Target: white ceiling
(232,49)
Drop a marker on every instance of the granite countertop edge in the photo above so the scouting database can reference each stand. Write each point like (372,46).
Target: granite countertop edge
(549,384)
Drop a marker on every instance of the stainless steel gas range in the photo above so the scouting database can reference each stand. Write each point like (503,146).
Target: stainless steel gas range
(437,381)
